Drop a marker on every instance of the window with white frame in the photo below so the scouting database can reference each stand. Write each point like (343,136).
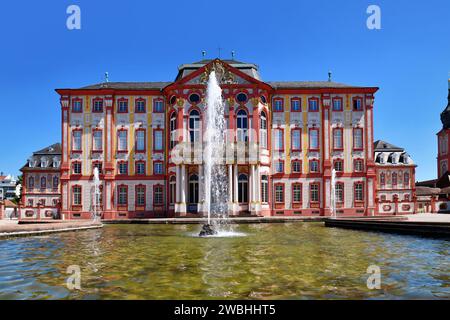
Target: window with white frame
(173,190)
(173,130)
(97,105)
(158,140)
(314,192)
(158,195)
(297,192)
(158,106)
(279,166)
(140,195)
(242,126)
(158,168)
(263,131)
(296,166)
(123,106)
(140,140)
(76,195)
(76,144)
(123,167)
(314,166)
(339,192)
(314,139)
(140,167)
(264,189)
(140,106)
(296,139)
(194,126)
(279,139)
(359,191)
(279,193)
(358,138)
(98,140)
(337,139)
(122,198)
(122,140)
(242,188)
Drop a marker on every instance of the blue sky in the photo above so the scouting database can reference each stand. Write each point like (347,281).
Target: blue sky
(290,40)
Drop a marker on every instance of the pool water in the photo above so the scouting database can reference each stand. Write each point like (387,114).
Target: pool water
(265,261)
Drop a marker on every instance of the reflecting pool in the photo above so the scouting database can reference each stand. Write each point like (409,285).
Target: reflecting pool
(266,261)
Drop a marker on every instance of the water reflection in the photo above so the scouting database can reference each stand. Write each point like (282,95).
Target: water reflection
(297,260)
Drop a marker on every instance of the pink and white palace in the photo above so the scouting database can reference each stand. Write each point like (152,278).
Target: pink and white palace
(291,133)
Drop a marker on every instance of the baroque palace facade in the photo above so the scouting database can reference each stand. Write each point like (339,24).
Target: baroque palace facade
(139,135)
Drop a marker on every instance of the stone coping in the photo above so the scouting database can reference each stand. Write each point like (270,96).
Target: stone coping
(33,229)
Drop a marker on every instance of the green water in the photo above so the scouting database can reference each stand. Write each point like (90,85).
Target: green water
(273,261)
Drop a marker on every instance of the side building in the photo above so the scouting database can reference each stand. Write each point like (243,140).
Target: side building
(41,191)
(396,190)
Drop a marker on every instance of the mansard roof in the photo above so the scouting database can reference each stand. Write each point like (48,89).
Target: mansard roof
(247,70)
(54,149)
(128,85)
(383,146)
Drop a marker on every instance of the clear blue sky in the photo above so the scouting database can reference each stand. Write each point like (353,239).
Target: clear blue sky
(290,40)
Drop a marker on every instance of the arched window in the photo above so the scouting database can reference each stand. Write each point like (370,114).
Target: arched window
(194,126)
(394,179)
(263,131)
(406,180)
(242,126)
(242,188)
(193,189)
(172,189)
(30,182)
(55,182)
(43,183)
(264,189)
(173,130)
(382,179)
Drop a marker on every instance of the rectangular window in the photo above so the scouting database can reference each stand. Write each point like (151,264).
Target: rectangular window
(357,104)
(76,195)
(122,199)
(278,105)
(263,132)
(122,106)
(296,166)
(338,143)
(140,167)
(337,104)
(296,142)
(296,105)
(297,192)
(314,139)
(314,192)
(139,106)
(359,191)
(158,168)
(339,165)
(76,168)
(140,140)
(97,105)
(279,166)
(359,165)
(158,196)
(158,145)
(339,192)
(97,137)
(76,143)
(279,193)
(158,106)
(358,138)
(140,195)
(77,105)
(279,139)
(264,189)
(123,167)
(122,140)
(313,105)
(314,166)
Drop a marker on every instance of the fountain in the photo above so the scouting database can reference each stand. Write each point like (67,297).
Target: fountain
(333,194)
(215,175)
(96,196)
